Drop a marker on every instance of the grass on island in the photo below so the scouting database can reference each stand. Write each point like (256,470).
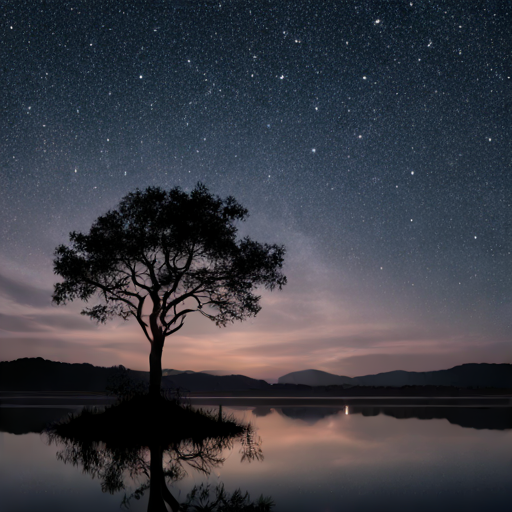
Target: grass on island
(144,420)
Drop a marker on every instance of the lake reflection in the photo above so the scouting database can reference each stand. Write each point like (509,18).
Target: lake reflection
(155,467)
(316,459)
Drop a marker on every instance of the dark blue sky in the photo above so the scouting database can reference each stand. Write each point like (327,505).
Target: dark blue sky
(373,138)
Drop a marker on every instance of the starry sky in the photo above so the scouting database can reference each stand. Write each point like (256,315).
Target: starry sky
(372,138)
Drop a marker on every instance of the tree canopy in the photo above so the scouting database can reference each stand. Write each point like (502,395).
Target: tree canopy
(161,255)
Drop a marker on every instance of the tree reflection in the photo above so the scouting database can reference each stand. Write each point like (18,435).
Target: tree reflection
(156,466)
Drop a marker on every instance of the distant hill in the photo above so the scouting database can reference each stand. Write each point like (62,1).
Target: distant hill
(174,372)
(31,374)
(205,381)
(38,374)
(315,378)
(216,372)
(474,375)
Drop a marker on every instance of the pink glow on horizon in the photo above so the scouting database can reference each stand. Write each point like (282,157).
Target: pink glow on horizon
(307,326)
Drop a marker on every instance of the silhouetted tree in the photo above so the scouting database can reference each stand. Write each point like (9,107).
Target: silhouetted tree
(162,255)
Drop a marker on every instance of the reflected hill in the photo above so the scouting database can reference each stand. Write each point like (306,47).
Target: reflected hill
(490,418)
(21,421)
(310,415)
(262,411)
(29,420)
(479,418)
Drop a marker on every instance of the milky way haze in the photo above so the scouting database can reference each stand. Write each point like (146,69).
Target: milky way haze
(373,139)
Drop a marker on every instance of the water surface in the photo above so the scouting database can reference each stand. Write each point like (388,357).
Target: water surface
(315,458)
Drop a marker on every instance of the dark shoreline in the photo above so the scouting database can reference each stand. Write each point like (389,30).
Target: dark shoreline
(372,401)
(54,398)
(374,397)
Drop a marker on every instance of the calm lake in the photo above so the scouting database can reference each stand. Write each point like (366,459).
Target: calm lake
(315,459)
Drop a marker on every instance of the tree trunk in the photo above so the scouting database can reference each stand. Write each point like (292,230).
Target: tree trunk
(168,497)
(155,367)
(156,500)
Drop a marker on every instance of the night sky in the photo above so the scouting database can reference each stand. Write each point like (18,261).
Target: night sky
(372,138)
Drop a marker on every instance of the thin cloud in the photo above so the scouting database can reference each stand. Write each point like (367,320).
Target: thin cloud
(23,293)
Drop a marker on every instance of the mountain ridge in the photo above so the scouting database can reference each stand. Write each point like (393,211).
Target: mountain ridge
(31,374)
(497,375)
